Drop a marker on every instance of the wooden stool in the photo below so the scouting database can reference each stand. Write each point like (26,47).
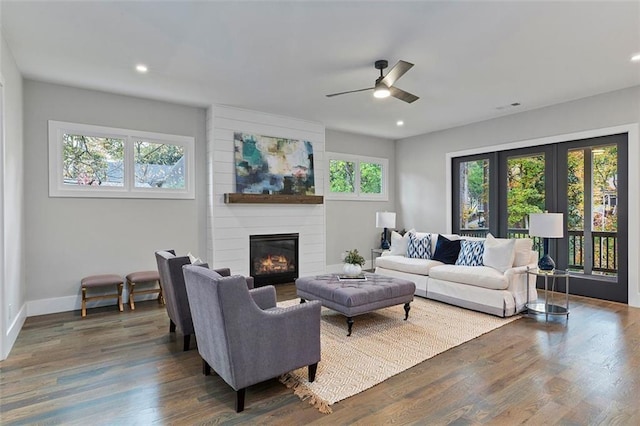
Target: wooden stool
(144,277)
(98,281)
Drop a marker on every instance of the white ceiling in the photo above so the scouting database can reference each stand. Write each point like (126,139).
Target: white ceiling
(284,57)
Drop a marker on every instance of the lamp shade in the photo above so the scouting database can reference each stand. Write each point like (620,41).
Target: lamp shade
(546,225)
(385,220)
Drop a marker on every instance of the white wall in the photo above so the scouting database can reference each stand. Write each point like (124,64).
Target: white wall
(12,285)
(231,224)
(422,197)
(352,224)
(69,238)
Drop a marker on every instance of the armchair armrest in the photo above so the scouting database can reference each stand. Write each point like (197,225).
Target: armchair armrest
(265,297)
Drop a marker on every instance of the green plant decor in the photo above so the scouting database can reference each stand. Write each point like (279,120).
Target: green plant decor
(353,257)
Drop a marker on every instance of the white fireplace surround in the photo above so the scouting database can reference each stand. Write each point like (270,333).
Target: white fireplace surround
(230,225)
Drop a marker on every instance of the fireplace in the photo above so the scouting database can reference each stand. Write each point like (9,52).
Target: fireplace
(273,259)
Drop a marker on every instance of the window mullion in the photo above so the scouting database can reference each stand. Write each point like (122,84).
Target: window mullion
(129,164)
(357,191)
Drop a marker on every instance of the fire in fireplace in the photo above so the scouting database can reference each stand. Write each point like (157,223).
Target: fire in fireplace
(273,259)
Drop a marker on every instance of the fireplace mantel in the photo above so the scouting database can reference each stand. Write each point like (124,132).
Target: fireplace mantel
(233,198)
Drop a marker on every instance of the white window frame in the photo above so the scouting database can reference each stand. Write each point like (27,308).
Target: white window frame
(57,188)
(357,195)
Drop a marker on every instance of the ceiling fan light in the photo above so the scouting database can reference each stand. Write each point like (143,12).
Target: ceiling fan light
(381,91)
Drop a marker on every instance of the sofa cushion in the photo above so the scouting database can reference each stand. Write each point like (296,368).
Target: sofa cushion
(407,264)
(419,247)
(470,253)
(447,250)
(498,253)
(479,276)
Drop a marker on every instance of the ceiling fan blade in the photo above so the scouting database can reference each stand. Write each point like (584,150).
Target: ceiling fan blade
(350,91)
(396,72)
(402,95)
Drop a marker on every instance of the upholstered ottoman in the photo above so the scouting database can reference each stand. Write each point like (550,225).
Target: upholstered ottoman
(352,298)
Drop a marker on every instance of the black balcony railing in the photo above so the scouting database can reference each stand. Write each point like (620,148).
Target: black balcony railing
(605,251)
(604,244)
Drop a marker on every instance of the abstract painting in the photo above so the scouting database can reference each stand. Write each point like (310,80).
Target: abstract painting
(270,165)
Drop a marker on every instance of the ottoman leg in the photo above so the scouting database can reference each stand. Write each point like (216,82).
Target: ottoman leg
(406,310)
(349,325)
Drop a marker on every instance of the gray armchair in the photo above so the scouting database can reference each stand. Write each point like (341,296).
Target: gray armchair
(175,294)
(243,336)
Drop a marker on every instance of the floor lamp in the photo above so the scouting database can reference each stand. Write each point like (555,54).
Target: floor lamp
(385,220)
(546,225)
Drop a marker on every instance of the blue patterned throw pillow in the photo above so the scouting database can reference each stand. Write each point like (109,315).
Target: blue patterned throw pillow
(419,248)
(471,253)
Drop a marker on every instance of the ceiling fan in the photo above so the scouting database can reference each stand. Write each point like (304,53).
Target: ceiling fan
(384,84)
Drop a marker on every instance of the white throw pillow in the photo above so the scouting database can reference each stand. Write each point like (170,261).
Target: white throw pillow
(399,243)
(498,253)
(194,260)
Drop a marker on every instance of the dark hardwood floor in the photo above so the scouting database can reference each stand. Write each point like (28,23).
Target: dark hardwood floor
(125,368)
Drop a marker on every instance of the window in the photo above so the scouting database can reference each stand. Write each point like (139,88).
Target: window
(96,161)
(354,177)
(473,196)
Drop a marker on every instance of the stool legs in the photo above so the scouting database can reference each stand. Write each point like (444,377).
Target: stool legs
(132,293)
(131,285)
(120,297)
(160,295)
(84,302)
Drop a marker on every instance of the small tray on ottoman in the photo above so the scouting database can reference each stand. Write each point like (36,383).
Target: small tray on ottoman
(356,297)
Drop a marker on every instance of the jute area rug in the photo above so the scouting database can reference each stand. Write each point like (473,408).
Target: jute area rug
(382,345)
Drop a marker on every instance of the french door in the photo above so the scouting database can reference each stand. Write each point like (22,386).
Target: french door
(586,180)
(592,192)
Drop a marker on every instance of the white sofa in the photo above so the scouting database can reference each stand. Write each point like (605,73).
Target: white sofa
(501,292)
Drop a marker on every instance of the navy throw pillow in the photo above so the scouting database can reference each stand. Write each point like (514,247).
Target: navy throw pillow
(447,251)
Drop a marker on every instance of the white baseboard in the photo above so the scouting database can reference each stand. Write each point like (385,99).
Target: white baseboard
(54,305)
(13,331)
(74,303)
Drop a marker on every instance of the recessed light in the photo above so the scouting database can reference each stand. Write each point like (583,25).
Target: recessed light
(635,58)
(142,68)
(399,123)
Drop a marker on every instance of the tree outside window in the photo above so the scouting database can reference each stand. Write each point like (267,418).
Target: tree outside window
(342,176)
(370,178)
(159,165)
(92,160)
(357,178)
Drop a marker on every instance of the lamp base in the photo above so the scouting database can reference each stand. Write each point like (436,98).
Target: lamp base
(546,263)
(384,243)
